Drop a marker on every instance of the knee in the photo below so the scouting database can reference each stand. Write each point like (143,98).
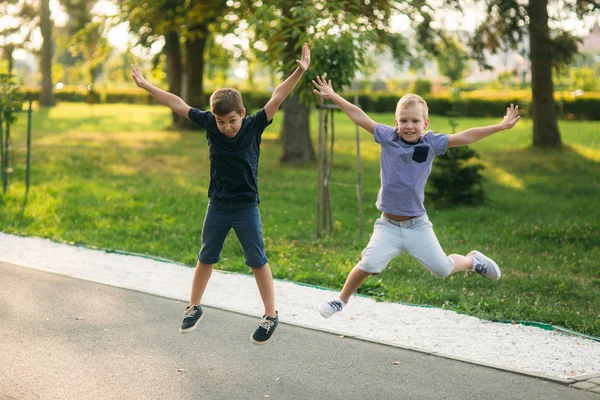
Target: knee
(369,266)
(441,273)
(442,268)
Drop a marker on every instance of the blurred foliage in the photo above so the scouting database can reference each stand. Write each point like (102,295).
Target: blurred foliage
(421,87)
(11,98)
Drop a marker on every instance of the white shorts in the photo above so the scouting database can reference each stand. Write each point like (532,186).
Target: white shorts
(415,236)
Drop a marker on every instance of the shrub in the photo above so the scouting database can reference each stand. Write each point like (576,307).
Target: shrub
(477,103)
(456,180)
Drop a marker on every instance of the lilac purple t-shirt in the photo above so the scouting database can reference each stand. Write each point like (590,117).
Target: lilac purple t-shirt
(405,168)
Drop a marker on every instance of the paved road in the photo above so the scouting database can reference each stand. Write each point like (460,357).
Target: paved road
(63,338)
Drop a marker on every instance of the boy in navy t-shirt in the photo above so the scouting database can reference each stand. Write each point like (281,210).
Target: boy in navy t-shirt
(407,152)
(234,148)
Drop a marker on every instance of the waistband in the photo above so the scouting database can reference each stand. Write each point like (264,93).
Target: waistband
(407,223)
(231,204)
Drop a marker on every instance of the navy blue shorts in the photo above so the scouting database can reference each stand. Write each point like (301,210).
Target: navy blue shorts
(245,220)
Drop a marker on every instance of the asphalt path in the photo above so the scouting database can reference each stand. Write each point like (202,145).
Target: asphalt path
(65,338)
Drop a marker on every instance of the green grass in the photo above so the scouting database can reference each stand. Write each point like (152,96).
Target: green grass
(112,176)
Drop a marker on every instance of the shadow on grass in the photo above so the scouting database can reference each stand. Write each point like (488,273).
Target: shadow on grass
(561,172)
(23,205)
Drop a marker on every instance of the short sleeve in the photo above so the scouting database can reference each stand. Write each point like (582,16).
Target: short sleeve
(200,118)
(438,142)
(259,121)
(384,134)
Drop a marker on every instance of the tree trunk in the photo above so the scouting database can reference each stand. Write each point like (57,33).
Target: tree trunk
(295,129)
(295,132)
(545,127)
(193,87)
(174,72)
(8,56)
(46,95)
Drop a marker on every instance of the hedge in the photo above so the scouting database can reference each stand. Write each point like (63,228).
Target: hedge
(585,107)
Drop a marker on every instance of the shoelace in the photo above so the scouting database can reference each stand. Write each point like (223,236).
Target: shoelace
(190,312)
(267,324)
(336,305)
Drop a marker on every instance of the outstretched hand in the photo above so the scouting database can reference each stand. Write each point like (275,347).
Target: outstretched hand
(511,117)
(324,88)
(136,74)
(304,62)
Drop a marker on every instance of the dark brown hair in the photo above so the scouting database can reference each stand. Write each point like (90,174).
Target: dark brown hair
(224,101)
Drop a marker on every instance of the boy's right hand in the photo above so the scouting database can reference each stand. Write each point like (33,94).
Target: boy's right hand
(511,117)
(324,88)
(136,74)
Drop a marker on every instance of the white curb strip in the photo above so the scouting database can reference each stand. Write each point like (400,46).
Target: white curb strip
(431,330)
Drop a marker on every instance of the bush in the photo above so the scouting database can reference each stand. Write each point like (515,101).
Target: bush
(455,181)
(472,104)
(581,108)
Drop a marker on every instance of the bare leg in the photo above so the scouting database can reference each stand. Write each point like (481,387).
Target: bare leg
(264,281)
(201,276)
(461,263)
(355,278)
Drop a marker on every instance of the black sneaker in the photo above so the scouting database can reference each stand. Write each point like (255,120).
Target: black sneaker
(191,316)
(265,330)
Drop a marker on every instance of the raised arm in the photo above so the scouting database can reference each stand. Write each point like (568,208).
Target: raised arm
(175,103)
(284,90)
(474,134)
(358,116)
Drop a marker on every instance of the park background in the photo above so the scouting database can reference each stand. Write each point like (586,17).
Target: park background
(112,169)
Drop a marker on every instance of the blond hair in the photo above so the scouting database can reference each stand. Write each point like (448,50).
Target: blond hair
(410,100)
(224,101)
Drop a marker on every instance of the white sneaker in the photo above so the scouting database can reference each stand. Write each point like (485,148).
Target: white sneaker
(330,307)
(485,266)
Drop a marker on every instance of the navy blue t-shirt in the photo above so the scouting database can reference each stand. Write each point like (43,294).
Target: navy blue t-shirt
(233,161)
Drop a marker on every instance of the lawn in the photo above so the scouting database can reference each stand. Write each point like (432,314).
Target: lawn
(112,176)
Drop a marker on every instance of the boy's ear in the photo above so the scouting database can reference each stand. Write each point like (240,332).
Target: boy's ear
(243,112)
(426,122)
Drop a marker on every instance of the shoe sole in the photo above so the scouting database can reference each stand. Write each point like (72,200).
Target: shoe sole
(191,328)
(324,314)
(478,254)
(257,342)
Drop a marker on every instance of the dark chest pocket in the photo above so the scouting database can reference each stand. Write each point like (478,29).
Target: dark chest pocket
(420,154)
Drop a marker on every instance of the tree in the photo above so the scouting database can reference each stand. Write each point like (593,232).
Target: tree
(46,95)
(150,21)
(219,64)
(11,101)
(24,18)
(91,43)
(284,25)
(508,24)
(452,59)
(19,21)
(79,14)
(178,20)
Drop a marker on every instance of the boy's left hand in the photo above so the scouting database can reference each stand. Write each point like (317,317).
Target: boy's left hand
(511,117)
(138,77)
(304,62)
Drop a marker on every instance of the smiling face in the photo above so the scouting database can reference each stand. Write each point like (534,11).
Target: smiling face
(230,123)
(411,117)
(410,123)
